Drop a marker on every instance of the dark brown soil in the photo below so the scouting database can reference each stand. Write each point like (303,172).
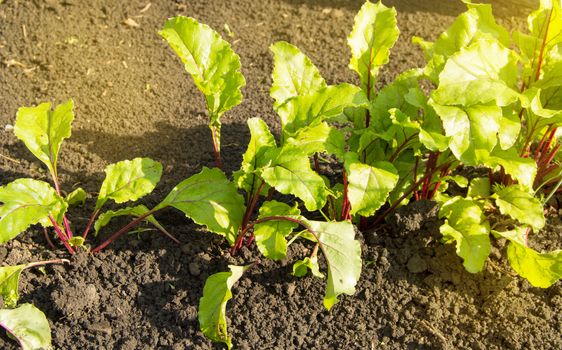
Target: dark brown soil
(133,98)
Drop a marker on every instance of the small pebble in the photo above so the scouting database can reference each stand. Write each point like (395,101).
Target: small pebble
(194,269)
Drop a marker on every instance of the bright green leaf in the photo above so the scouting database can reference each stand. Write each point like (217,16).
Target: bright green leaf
(129,180)
(294,74)
(28,325)
(479,188)
(540,269)
(290,173)
(78,196)
(369,186)
(9,282)
(319,138)
(270,235)
(212,306)
(325,104)
(43,130)
(521,169)
(374,33)
(261,140)
(476,23)
(135,211)
(343,256)
(26,202)
(209,199)
(479,74)
(521,206)
(301,267)
(466,226)
(210,60)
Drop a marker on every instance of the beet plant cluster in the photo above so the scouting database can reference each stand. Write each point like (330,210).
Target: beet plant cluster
(487,100)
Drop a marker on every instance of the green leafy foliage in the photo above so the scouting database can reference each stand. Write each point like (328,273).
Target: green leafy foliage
(301,267)
(78,196)
(26,202)
(209,199)
(327,103)
(476,23)
(343,257)
(9,282)
(540,269)
(254,159)
(28,325)
(214,67)
(466,227)
(290,173)
(43,130)
(294,74)
(212,306)
(129,180)
(521,206)
(369,186)
(371,39)
(270,235)
(135,211)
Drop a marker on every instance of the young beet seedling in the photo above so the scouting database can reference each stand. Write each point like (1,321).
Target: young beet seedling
(212,64)
(27,201)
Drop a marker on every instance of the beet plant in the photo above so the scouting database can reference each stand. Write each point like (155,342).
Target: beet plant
(499,100)
(212,64)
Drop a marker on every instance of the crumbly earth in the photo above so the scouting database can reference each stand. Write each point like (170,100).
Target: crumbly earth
(133,98)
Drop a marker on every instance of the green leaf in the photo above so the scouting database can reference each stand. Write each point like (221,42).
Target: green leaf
(479,187)
(319,138)
(129,180)
(294,74)
(43,130)
(521,169)
(261,140)
(374,33)
(369,186)
(301,267)
(472,131)
(403,93)
(482,73)
(290,173)
(540,269)
(521,206)
(270,235)
(209,199)
(343,257)
(78,196)
(476,23)
(210,60)
(9,282)
(28,325)
(135,211)
(324,104)
(465,224)
(26,202)
(212,306)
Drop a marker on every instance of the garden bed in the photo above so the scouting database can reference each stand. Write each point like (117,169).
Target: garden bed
(134,99)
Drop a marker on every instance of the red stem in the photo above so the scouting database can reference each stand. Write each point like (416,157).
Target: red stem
(48,239)
(543,46)
(62,237)
(90,222)
(216,149)
(249,210)
(123,230)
